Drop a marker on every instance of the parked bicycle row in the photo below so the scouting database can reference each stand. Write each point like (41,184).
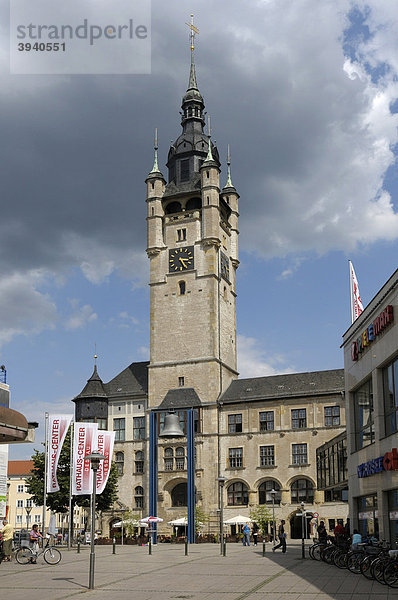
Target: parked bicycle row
(373,559)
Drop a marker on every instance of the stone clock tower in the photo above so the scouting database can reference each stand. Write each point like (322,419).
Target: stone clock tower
(193,251)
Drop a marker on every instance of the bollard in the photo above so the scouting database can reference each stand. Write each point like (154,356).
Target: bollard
(150,545)
(186,546)
(114,546)
(78,546)
(263,548)
(224,547)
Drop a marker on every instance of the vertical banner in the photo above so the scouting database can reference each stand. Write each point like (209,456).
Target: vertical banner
(58,426)
(105,441)
(3,479)
(84,442)
(356,302)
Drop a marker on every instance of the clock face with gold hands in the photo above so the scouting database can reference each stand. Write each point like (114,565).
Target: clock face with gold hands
(181,259)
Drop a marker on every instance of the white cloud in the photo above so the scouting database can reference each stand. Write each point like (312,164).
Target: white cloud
(24,309)
(255,361)
(80,316)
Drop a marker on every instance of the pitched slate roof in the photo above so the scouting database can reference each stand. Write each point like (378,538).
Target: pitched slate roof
(94,387)
(284,386)
(180,398)
(132,381)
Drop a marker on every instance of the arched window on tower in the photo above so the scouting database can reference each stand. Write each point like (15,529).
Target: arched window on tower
(264,492)
(168,459)
(181,285)
(139,461)
(193,203)
(139,496)
(180,458)
(119,462)
(173,207)
(238,494)
(302,490)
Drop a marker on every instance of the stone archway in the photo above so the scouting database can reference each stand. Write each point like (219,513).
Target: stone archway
(295,521)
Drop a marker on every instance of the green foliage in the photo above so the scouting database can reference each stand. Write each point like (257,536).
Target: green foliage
(262,516)
(59,501)
(200,518)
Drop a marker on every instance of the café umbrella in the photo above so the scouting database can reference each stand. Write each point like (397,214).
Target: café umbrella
(151,520)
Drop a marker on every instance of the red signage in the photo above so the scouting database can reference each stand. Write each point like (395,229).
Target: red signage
(372,331)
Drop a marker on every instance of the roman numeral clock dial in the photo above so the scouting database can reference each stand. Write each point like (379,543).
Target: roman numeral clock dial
(181,259)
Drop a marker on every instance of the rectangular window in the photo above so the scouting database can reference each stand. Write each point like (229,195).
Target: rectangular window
(168,464)
(267,456)
(119,427)
(267,420)
(181,235)
(181,382)
(19,503)
(180,464)
(139,501)
(299,454)
(234,423)
(390,393)
(29,503)
(139,466)
(19,519)
(101,424)
(363,415)
(299,418)
(139,428)
(332,416)
(235,456)
(37,519)
(20,488)
(184,169)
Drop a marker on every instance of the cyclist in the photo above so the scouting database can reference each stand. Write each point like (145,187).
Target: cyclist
(34,540)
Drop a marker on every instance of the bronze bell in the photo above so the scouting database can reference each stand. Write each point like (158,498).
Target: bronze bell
(172,427)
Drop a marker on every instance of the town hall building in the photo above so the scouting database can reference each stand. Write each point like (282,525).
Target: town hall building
(260,434)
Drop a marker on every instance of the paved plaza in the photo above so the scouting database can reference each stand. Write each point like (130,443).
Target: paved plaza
(202,575)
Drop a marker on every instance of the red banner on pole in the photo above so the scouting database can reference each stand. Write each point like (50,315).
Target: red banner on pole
(85,441)
(58,426)
(105,441)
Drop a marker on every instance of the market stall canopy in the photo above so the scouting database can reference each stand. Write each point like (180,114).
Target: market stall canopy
(183,522)
(238,520)
(128,523)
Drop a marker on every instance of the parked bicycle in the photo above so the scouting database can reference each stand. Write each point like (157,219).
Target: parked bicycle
(51,555)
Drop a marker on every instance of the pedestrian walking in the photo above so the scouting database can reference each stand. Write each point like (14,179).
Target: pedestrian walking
(8,533)
(246,535)
(255,529)
(282,538)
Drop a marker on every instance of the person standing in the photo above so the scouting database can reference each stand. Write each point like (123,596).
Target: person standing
(34,537)
(282,538)
(322,533)
(255,529)
(246,535)
(8,534)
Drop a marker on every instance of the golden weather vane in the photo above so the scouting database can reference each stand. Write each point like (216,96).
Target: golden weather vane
(194,31)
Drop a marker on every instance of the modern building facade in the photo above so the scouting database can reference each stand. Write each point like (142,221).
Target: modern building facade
(259,434)
(371,384)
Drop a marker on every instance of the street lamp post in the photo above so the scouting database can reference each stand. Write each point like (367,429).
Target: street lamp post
(122,510)
(273,494)
(94,458)
(302,530)
(221,482)
(28,511)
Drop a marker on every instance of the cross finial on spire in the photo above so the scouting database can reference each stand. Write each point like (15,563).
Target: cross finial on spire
(95,355)
(192,75)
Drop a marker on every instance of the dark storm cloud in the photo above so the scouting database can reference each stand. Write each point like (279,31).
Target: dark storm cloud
(78,148)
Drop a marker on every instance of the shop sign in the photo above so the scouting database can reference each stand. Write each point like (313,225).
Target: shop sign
(388,462)
(393,515)
(371,332)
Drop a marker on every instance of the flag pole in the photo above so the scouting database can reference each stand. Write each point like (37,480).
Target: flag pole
(70,520)
(45,474)
(351,293)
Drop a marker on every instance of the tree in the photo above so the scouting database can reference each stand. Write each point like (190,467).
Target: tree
(59,501)
(200,518)
(262,516)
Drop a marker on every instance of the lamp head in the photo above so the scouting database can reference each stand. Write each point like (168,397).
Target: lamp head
(221,480)
(95,457)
